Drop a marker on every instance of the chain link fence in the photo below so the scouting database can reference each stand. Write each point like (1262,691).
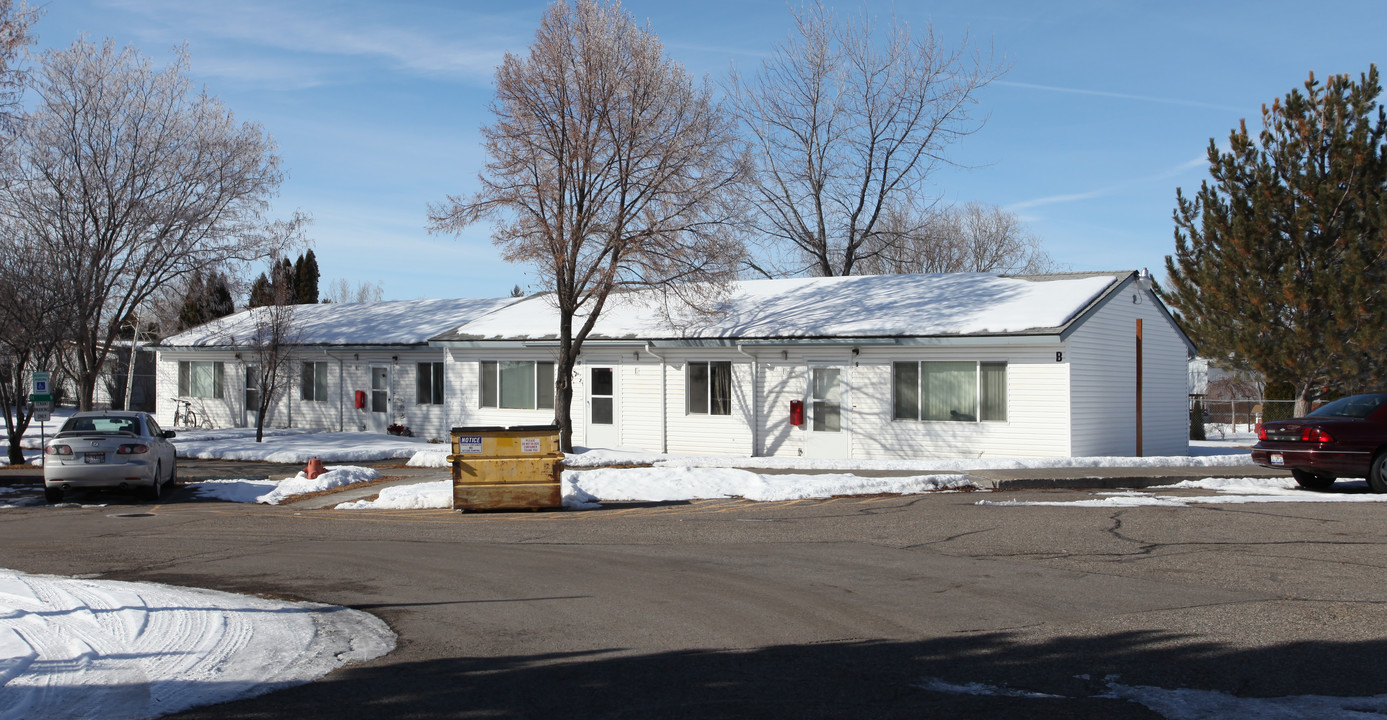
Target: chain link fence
(1223,416)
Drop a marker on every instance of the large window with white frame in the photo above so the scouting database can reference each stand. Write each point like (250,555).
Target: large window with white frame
(200,379)
(709,388)
(949,391)
(517,384)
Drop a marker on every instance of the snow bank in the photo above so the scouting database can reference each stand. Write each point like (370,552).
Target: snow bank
(272,492)
(294,446)
(667,484)
(419,496)
(108,649)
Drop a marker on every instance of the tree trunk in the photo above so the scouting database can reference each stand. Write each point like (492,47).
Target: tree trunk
(563,381)
(1302,399)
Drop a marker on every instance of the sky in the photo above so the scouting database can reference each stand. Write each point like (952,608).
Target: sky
(1104,110)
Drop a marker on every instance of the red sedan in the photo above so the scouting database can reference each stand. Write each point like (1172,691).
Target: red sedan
(1344,438)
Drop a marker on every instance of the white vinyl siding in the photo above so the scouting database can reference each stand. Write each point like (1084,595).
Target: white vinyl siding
(1102,355)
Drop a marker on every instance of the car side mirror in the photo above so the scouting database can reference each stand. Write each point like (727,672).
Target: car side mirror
(168,434)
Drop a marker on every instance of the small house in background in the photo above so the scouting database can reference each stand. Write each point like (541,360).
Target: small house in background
(869,367)
(355,366)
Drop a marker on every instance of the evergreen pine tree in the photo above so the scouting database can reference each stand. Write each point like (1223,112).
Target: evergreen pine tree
(261,292)
(1281,258)
(219,300)
(190,314)
(306,278)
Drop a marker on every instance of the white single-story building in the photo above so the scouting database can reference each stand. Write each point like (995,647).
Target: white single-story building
(872,367)
(358,366)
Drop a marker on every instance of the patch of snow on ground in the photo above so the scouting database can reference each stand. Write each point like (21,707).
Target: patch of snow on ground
(1230,491)
(74,648)
(294,446)
(667,484)
(583,489)
(272,492)
(419,496)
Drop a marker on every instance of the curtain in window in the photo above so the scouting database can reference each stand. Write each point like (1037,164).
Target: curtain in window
(205,380)
(906,403)
(994,391)
(423,383)
(517,380)
(320,381)
(544,381)
(489,383)
(698,388)
(438,383)
(950,390)
(720,383)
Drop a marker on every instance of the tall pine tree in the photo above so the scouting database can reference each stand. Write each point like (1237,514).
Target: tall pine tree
(306,278)
(1280,259)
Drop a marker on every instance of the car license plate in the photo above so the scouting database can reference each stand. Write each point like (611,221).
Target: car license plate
(1277,459)
(93,458)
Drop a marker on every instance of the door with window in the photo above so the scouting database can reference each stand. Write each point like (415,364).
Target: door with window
(380,398)
(602,407)
(252,396)
(825,422)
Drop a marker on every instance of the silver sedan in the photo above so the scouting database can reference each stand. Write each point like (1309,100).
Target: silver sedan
(109,449)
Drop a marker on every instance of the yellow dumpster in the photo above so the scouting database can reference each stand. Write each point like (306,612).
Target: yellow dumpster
(515,468)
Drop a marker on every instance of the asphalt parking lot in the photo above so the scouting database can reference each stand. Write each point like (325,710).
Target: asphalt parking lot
(845,607)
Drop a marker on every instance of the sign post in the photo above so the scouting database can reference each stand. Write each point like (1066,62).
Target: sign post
(42,400)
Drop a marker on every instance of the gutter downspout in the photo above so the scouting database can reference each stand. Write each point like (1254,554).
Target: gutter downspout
(755,396)
(341,389)
(664,398)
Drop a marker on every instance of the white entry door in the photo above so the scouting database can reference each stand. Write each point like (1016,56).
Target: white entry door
(825,424)
(252,396)
(602,407)
(379,404)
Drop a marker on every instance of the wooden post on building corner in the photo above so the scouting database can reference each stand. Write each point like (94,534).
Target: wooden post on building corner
(1139,389)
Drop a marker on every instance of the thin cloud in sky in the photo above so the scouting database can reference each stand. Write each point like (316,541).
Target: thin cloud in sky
(337,30)
(1120,96)
(1110,189)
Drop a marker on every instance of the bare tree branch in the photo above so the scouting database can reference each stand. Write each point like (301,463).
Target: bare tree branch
(845,126)
(609,168)
(133,179)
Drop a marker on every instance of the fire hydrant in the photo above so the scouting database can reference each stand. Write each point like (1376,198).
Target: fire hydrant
(314,469)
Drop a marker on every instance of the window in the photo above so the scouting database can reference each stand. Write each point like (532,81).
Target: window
(709,388)
(428,384)
(200,379)
(518,385)
(313,382)
(949,391)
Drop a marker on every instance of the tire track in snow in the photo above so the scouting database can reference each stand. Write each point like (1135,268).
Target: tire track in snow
(94,648)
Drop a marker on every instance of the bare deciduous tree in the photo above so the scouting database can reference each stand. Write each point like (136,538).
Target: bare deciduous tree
(609,168)
(846,126)
(968,238)
(31,332)
(134,179)
(341,291)
(270,356)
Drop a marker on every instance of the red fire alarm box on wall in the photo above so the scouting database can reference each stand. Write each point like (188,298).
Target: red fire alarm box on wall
(797,412)
(360,399)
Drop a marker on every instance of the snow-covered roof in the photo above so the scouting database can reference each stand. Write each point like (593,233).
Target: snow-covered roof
(393,323)
(882,306)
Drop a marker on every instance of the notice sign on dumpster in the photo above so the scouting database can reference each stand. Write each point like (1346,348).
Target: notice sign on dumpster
(469,444)
(530,445)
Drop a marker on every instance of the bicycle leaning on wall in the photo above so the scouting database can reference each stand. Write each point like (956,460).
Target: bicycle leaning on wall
(185,416)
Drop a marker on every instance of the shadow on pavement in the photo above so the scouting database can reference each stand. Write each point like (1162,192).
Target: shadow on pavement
(1063,677)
